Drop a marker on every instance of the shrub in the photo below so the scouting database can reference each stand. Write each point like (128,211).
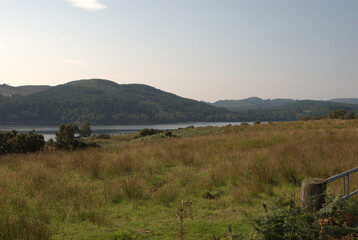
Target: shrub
(65,138)
(257,122)
(306,118)
(286,220)
(148,132)
(12,142)
(340,113)
(85,129)
(349,115)
(103,136)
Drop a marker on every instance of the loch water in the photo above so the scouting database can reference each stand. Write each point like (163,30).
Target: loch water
(49,131)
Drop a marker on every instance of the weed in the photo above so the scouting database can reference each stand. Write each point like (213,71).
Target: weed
(183,212)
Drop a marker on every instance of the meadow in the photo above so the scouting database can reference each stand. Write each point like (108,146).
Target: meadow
(132,187)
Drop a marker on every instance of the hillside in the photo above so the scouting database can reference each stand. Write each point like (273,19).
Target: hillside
(253,103)
(103,101)
(106,102)
(6,90)
(251,109)
(345,100)
(295,111)
(299,109)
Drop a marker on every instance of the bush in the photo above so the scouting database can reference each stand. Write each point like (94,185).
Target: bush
(286,220)
(103,136)
(349,115)
(257,122)
(85,129)
(306,118)
(65,138)
(12,142)
(340,113)
(148,132)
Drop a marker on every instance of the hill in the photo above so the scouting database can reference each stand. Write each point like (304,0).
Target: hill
(103,101)
(297,110)
(345,100)
(252,103)
(6,90)
(251,109)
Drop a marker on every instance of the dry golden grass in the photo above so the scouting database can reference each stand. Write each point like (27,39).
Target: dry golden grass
(224,168)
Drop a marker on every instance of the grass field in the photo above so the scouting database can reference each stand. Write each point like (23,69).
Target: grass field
(131,188)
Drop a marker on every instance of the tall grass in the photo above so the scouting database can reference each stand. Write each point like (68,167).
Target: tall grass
(54,193)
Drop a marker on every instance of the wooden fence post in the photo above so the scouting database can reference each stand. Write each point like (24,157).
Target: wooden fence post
(312,193)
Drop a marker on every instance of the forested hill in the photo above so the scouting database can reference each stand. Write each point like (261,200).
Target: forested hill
(252,103)
(103,101)
(253,108)
(255,104)
(6,90)
(295,110)
(345,100)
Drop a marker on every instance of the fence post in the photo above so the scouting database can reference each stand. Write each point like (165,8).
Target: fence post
(312,193)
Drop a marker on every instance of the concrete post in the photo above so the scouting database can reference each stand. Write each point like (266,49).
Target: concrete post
(312,193)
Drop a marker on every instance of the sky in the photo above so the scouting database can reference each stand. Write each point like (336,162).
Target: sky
(201,49)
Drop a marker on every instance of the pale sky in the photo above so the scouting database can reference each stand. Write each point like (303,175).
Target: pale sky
(200,49)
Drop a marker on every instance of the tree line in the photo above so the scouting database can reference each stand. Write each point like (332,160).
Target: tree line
(12,142)
(335,114)
(124,104)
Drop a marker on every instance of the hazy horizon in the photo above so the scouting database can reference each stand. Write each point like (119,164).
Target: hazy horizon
(200,99)
(206,50)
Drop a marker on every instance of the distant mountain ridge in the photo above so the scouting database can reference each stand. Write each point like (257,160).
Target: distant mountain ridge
(255,103)
(252,103)
(284,109)
(345,100)
(7,90)
(104,101)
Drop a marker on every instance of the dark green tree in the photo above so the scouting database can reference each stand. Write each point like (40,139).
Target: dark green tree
(85,129)
(340,113)
(349,115)
(12,142)
(65,138)
(257,122)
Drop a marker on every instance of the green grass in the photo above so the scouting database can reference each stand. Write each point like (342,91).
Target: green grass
(132,187)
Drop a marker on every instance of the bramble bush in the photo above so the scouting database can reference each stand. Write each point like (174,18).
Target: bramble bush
(287,220)
(12,142)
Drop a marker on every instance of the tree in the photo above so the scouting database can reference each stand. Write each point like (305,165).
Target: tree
(12,142)
(85,129)
(340,113)
(65,138)
(349,115)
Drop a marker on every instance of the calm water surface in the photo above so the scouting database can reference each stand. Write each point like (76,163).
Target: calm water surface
(49,131)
